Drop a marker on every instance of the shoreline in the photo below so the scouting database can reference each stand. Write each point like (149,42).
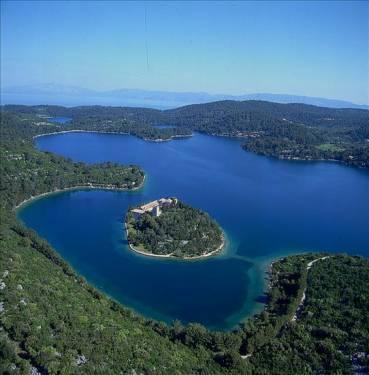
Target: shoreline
(171,256)
(159,140)
(77,187)
(261,279)
(107,132)
(285,158)
(168,139)
(308,160)
(77,131)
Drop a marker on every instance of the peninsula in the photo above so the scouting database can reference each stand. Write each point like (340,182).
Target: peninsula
(169,228)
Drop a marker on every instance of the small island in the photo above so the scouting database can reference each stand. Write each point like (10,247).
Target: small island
(168,227)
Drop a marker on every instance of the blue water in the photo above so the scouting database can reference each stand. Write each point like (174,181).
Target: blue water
(268,208)
(60,120)
(164,126)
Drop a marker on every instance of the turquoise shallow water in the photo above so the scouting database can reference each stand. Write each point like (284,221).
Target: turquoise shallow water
(268,208)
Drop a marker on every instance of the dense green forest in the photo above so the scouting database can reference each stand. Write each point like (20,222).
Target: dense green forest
(133,121)
(180,231)
(53,322)
(285,131)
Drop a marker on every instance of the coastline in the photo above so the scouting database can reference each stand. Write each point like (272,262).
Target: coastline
(285,158)
(260,278)
(309,160)
(116,133)
(77,131)
(173,137)
(78,187)
(168,139)
(171,256)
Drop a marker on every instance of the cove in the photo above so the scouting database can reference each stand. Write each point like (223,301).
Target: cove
(268,208)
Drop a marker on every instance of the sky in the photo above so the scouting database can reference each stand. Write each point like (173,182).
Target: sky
(312,48)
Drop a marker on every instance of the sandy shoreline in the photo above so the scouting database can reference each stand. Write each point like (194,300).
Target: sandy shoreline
(79,187)
(212,253)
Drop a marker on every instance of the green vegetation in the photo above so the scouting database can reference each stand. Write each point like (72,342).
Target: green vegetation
(180,231)
(330,147)
(53,322)
(27,172)
(286,131)
(133,121)
(331,334)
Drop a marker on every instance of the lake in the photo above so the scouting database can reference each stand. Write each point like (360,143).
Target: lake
(268,208)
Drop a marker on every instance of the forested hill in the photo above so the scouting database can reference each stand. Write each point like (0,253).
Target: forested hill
(300,113)
(133,121)
(144,115)
(285,131)
(180,231)
(237,112)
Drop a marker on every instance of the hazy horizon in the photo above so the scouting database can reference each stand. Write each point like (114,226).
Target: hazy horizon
(43,85)
(230,48)
(71,96)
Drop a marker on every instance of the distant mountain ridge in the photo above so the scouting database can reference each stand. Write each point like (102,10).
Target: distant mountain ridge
(74,96)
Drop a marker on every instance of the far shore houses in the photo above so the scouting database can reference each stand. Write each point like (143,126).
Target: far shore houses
(154,207)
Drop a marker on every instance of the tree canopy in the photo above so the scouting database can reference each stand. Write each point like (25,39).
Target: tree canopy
(180,231)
